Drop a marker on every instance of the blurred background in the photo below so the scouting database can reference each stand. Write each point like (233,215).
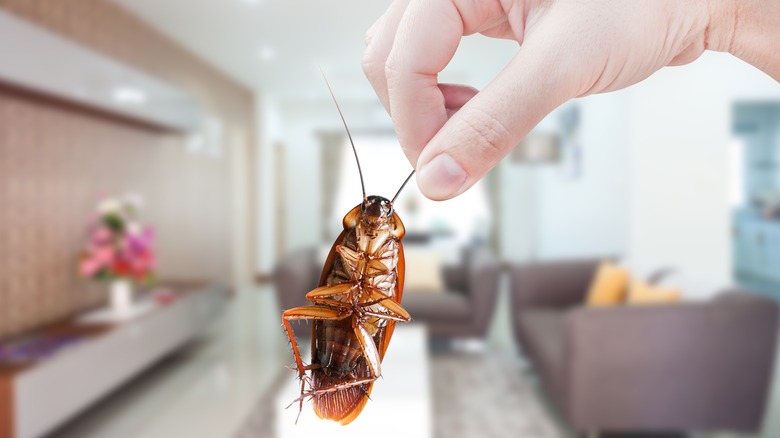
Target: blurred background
(173,174)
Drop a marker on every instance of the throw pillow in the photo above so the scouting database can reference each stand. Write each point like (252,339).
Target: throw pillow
(643,293)
(423,270)
(609,285)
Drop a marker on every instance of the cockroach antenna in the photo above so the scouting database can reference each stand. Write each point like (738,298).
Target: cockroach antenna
(402,187)
(360,171)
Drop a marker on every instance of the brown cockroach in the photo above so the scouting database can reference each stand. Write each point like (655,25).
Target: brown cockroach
(355,308)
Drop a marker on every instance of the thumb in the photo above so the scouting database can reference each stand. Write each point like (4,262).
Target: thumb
(489,125)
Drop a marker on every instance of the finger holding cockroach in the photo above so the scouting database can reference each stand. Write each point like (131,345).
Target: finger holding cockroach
(355,308)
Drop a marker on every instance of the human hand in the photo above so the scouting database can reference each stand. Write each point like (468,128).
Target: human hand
(453,134)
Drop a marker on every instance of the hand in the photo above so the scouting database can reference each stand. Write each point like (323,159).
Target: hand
(453,134)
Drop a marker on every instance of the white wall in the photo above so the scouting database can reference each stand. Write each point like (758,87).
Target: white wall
(548,215)
(518,209)
(680,130)
(588,215)
(300,123)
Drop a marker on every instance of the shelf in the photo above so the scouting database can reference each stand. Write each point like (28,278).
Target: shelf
(40,61)
(41,393)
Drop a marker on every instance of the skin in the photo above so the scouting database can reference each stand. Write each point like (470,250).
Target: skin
(453,134)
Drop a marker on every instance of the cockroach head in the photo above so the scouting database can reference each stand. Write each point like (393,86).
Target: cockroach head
(376,209)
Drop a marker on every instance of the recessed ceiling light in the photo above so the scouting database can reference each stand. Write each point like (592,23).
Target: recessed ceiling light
(129,95)
(267,53)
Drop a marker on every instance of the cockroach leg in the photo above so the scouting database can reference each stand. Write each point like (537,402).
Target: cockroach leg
(329,291)
(396,312)
(376,267)
(350,257)
(306,312)
(314,366)
(334,388)
(370,352)
(387,316)
(325,295)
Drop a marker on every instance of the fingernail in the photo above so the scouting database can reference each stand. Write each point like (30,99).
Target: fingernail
(441,177)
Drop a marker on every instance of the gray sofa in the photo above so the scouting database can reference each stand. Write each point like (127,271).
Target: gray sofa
(463,310)
(702,366)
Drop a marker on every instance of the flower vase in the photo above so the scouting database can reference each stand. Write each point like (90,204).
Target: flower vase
(121,296)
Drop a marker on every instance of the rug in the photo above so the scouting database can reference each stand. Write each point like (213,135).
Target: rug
(474,395)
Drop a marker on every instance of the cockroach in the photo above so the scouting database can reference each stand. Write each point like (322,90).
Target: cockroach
(355,308)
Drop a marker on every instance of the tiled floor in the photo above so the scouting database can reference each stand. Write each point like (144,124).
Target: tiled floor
(206,390)
(210,388)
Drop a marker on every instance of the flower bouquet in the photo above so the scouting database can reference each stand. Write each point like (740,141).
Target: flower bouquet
(119,249)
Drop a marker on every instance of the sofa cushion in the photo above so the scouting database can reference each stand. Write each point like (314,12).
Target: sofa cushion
(542,336)
(609,286)
(446,306)
(424,269)
(643,293)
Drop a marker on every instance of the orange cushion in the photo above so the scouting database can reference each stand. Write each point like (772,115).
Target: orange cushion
(609,285)
(643,293)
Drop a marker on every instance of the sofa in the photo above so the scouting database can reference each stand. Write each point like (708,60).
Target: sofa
(689,366)
(463,310)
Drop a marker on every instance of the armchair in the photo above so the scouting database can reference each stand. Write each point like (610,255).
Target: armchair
(464,309)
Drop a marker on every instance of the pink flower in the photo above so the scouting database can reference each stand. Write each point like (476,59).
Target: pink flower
(89,267)
(127,253)
(104,254)
(101,234)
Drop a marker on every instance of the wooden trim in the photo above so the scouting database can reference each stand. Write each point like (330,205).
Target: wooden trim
(7,408)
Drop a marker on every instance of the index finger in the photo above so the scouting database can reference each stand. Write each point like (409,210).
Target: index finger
(427,37)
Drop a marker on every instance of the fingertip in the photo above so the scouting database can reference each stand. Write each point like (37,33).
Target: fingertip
(441,178)
(456,95)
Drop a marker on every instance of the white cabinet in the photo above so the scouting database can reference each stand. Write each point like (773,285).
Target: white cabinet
(53,391)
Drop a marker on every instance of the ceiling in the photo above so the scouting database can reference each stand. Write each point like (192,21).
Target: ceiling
(276,46)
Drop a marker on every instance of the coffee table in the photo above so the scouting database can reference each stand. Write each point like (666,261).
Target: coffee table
(400,405)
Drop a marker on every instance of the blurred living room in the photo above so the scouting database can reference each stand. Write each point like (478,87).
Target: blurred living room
(174,174)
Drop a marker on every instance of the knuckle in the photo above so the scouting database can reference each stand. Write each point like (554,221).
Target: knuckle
(372,65)
(368,37)
(392,69)
(486,135)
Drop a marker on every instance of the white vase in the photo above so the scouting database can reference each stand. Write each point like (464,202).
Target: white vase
(121,296)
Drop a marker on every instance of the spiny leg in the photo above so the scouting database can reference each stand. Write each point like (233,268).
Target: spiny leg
(353,260)
(307,312)
(370,353)
(335,387)
(367,345)
(396,312)
(327,295)
(314,366)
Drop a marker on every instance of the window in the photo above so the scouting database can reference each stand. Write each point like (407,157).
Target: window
(460,220)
